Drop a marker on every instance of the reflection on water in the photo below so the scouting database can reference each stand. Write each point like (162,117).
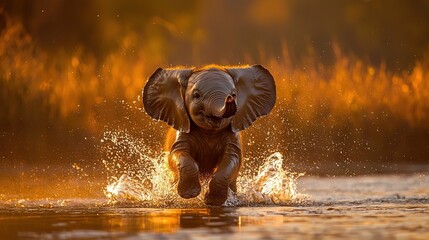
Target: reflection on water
(360,221)
(140,201)
(374,207)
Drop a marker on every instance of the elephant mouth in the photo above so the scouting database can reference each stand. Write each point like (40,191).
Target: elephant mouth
(213,120)
(219,120)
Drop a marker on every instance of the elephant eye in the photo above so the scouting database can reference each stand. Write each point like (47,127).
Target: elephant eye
(197,95)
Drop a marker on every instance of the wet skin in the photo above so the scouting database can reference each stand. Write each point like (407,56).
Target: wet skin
(208,107)
(210,147)
(216,153)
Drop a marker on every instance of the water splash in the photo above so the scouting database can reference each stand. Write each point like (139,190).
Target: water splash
(272,184)
(139,175)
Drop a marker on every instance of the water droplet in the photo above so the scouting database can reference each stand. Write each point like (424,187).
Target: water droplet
(149,181)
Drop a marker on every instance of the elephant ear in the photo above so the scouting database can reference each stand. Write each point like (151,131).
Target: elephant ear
(163,97)
(256,94)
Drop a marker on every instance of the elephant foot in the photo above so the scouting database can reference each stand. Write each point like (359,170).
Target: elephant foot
(216,196)
(189,186)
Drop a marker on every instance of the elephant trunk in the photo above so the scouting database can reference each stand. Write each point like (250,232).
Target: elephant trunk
(224,108)
(230,107)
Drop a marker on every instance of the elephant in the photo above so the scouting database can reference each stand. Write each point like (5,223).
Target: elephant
(207,107)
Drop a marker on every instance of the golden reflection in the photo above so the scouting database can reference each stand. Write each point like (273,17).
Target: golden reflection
(154,222)
(169,220)
(274,220)
(172,220)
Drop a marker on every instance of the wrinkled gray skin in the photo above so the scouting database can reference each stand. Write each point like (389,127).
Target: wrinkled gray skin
(208,107)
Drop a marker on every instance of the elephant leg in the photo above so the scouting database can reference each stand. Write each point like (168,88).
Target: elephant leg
(222,179)
(188,185)
(233,185)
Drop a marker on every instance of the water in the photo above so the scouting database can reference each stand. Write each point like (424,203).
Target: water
(364,207)
(136,199)
(146,179)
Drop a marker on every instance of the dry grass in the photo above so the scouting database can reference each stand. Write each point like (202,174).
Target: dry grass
(350,106)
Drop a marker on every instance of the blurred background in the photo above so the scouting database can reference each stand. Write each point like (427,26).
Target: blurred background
(352,77)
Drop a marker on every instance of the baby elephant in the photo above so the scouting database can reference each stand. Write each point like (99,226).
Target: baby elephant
(208,107)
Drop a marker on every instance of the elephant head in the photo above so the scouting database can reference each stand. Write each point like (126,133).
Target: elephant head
(212,98)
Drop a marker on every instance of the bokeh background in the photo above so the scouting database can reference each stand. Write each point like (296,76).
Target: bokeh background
(352,77)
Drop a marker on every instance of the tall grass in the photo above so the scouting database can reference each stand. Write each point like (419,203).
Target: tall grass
(345,113)
(351,114)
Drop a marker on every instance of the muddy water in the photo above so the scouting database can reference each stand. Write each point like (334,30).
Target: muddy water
(362,207)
